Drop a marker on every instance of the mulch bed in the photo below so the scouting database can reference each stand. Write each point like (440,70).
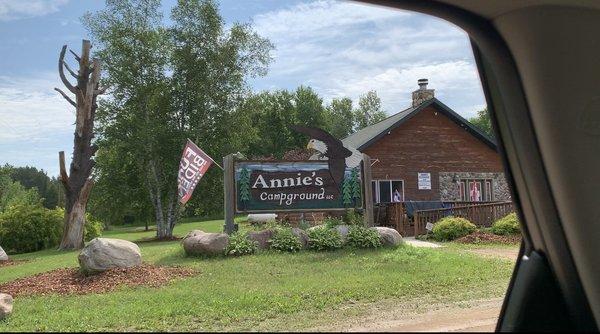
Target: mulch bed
(71,281)
(479,237)
(11,263)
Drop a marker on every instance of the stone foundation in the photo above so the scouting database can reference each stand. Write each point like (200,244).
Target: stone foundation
(449,190)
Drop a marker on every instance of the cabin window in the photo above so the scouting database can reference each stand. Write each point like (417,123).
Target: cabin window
(387,191)
(475,190)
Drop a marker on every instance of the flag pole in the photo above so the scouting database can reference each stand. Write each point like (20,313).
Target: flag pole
(211,159)
(217,164)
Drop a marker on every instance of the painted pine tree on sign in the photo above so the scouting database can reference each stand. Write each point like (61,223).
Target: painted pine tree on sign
(78,183)
(347,191)
(355,184)
(244,184)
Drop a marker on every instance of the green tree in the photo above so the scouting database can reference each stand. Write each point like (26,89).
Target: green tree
(30,177)
(13,193)
(309,108)
(211,65)
(483,122)
(341,117)
(169,84)
(369,111)
(268,116)
(134,48)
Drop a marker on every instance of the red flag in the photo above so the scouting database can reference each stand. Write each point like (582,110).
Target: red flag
(194,163)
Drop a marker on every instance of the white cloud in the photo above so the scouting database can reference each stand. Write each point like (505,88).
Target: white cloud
(35,122)
(31,110)
(19,9)
(347,49)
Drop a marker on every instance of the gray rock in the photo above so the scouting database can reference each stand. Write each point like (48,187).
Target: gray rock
(261,217)
(388,236)
(262,238)
(301,235)
(3,256)
(202,243)
(104,253)
(343,230)
(6,305)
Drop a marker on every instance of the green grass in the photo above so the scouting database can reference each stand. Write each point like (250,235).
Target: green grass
(269,291)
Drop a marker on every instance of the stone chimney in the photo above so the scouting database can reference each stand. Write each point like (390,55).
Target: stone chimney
(422,94)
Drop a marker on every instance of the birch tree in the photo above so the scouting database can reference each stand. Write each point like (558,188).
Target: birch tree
(169,84)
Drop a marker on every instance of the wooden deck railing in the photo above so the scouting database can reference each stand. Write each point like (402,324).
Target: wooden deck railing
(482,215)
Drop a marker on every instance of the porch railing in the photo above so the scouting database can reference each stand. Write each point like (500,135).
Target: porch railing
(482,215)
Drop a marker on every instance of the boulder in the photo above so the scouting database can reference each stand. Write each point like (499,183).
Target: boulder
(6,305)
(3,256)
(202,243)
(104,253)
(301,235)
(262,238)
(388,236)
(261,217)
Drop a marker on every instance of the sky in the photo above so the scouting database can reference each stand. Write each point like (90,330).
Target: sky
(339,48)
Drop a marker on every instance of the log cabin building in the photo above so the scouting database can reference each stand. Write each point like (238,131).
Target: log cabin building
(428,152)
(428,157)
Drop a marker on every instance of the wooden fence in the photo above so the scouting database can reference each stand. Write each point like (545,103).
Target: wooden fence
(482,215)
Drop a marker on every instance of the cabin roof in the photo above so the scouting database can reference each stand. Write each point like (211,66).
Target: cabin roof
(365,137)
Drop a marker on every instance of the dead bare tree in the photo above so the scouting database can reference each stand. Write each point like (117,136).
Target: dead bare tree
(78,183)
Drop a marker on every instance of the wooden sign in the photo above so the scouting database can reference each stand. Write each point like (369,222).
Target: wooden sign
(275,186)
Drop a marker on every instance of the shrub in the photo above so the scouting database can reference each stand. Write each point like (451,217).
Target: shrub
(285,241)
(93,227)
(450,228)
(324,238)
(353,217)
(239,244)
(304,225)
(29,228)
(362,237)
(331,222)
(507,225)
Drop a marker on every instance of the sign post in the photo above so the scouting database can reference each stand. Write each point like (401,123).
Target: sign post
(368,190)
(229,194)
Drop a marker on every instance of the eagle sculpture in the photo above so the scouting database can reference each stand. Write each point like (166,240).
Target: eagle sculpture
(338,156)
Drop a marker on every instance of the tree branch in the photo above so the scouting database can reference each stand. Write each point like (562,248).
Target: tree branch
(75,55)
(85,190)
(64,178)
(66,97)
(61,72)
(100,90)
(70,70)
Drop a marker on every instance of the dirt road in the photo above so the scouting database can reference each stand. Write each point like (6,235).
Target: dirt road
(471,316)
(479,317)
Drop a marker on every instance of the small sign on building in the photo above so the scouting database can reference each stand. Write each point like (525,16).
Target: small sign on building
(424,181)
(429,227)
